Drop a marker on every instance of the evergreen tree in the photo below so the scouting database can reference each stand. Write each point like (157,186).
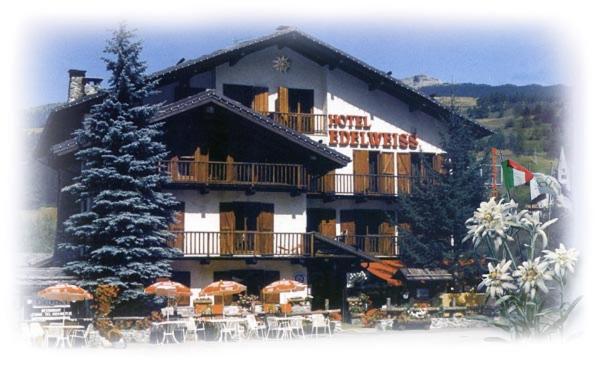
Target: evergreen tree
(437,208)
(120,236)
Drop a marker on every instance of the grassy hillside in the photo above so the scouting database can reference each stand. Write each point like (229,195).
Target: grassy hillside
(527,121)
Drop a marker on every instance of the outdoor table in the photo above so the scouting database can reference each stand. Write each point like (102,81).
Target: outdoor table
(169,329)
(222,322)
(66,330)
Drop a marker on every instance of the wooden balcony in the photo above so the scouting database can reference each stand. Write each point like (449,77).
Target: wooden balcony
(364,185)
(244,243)
(236,174)
(301,122)
(274,244)
(375,245)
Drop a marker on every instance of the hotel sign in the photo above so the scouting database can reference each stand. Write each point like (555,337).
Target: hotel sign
(355,131)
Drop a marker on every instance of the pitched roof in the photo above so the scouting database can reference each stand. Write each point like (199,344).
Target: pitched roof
(210,96)
(324,54)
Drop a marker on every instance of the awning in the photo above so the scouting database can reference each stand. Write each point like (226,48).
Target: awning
(385,270)
(416,274)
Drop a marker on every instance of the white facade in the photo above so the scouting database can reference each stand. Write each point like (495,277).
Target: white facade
(202,211)
(335,92)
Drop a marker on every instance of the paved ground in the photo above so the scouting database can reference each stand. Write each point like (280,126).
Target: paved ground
(349,337)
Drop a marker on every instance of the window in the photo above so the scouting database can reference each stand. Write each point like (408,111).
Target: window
(254,97)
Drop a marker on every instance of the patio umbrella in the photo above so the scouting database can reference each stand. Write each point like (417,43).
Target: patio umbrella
(169,289)
(283,286)
(223,288)
(65,293)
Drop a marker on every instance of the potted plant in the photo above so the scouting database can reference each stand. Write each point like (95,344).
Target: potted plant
(413,318)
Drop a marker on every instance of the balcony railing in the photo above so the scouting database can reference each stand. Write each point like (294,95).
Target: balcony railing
(370,185)
(375,245)
(244,243)
(237,173)
(301,122)
(273,244)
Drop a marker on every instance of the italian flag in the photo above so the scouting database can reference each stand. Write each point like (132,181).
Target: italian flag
(515,174)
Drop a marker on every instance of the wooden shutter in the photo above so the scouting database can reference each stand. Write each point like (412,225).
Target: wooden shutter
(230,175)
(360,161)
(388,231)
(265,223)
(328,182)
(386,172)
(178,227)
(174,168)
(348,226)
(261,100)
(199,168)
(283,105)
(404,172)
(327,222)
(227,228)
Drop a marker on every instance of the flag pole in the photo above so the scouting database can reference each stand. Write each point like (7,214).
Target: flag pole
(502,169)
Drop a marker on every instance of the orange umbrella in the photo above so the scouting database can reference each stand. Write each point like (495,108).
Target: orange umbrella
(168,288)
(283,286)
(222,287)
(65,293)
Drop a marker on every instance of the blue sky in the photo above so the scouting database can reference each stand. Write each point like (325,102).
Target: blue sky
(492,54)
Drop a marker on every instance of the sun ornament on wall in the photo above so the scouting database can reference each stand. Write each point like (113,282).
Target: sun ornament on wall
(281,64)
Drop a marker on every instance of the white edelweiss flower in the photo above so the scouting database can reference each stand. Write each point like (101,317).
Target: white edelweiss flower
(491,220)
(531,275)
(562,259)
(531,222)
(498,279)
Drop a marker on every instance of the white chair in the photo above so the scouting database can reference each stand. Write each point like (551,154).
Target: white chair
(254,327)
(191,328)
(297,327)
(274,327)
(384,324)
(337,326)
(319,321)
(56,332)
(36,334)
(88,335)
(229,328)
